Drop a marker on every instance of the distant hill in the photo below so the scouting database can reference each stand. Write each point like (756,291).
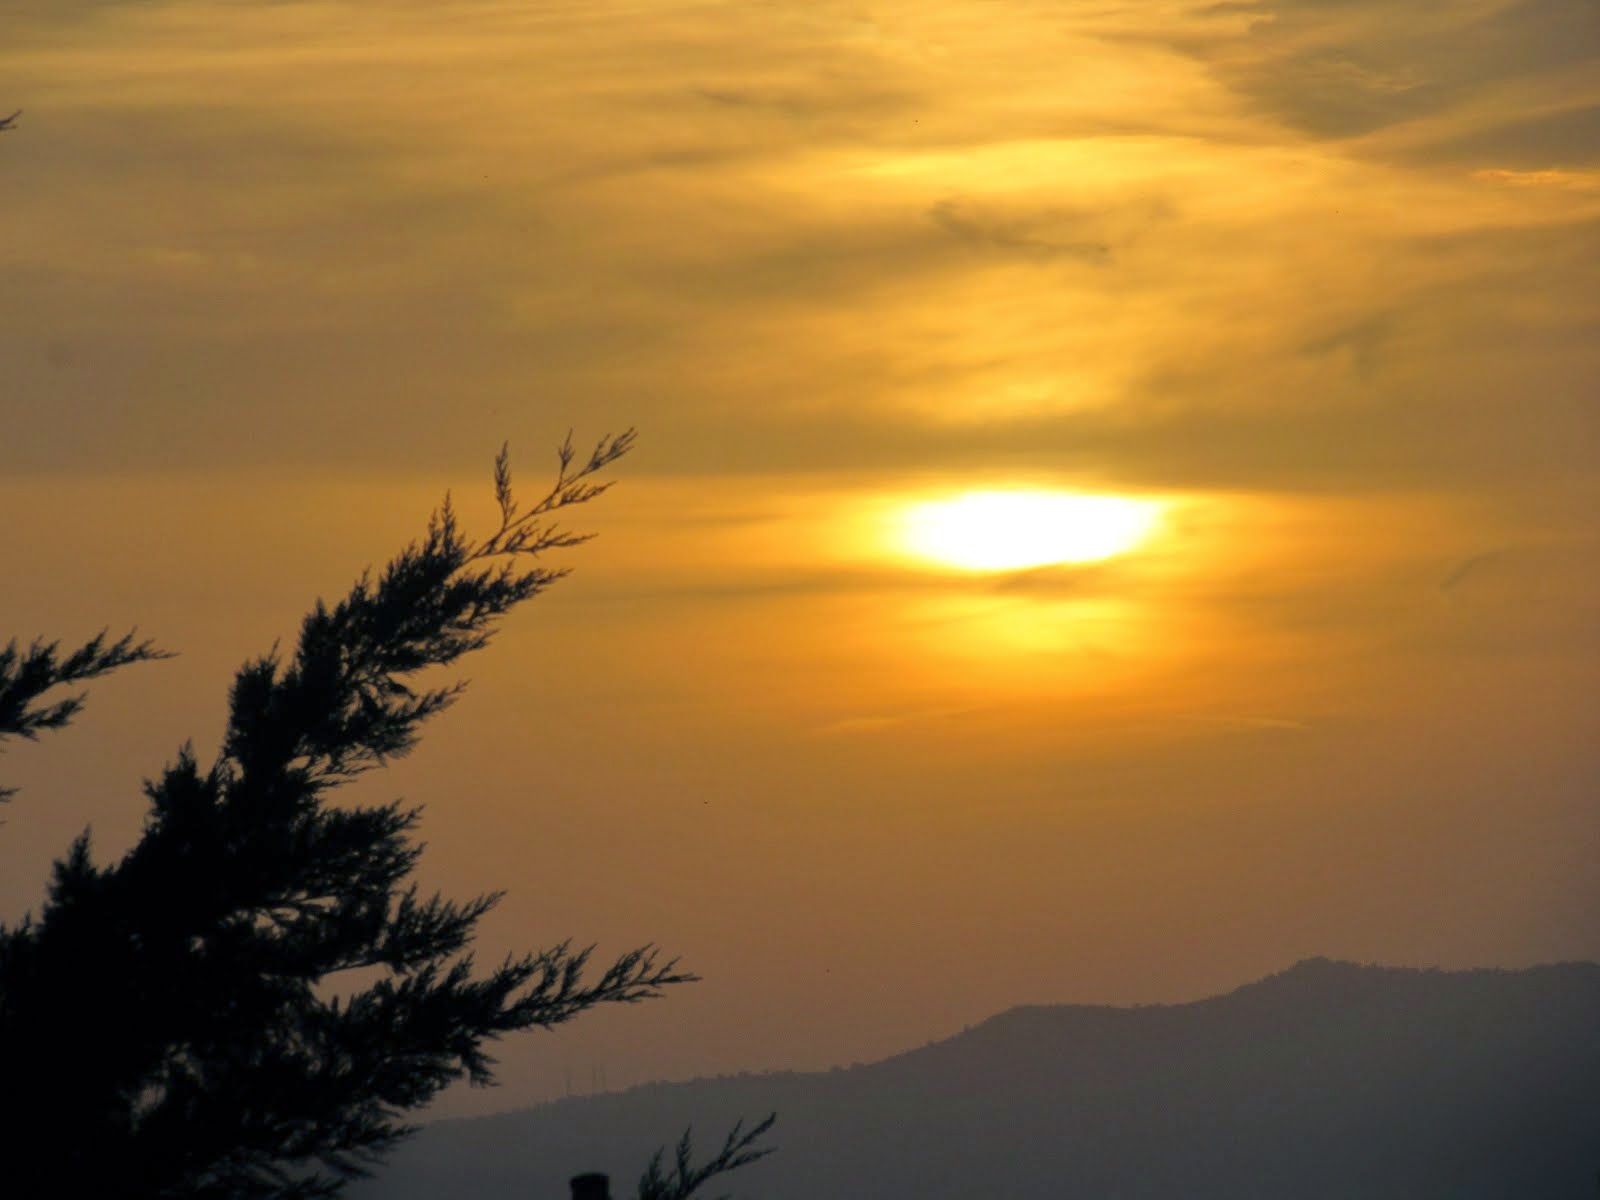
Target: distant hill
(1329,1081)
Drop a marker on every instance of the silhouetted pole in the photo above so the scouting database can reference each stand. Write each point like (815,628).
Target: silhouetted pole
(591,1187)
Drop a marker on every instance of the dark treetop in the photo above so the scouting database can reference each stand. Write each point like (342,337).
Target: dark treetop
(251,1000)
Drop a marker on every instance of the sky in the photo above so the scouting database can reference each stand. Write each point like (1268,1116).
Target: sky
(1301,292)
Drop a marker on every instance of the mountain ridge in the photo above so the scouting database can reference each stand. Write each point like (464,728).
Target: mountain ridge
(1328,1079)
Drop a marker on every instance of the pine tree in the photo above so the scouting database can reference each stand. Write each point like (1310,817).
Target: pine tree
(250,1002)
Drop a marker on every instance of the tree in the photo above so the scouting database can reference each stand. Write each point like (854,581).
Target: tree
(251,1000)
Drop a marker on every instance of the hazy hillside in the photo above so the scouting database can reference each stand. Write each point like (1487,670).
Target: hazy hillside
(1328,1081)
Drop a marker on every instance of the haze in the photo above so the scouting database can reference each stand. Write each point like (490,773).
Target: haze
(1308,284)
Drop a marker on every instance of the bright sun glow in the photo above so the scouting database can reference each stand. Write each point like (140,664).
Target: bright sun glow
(1012,530)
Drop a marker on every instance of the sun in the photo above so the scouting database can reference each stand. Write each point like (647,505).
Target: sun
(1014,530)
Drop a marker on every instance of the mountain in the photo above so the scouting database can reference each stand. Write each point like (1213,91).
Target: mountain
(1328,1081)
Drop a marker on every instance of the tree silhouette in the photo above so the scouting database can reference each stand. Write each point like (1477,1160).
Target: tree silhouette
(250,1002)
(738,1150)
(26,675)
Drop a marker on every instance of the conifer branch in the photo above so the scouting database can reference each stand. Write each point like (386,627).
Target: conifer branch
(226,1064)
(26,675)
(686,1178)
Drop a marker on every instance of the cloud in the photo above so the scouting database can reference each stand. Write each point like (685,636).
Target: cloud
(1020,236)
(797,239)
(1252,724)
(1487,79)
(876,723)
(1565,180)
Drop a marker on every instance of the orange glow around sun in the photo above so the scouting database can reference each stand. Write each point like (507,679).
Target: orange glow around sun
(1015,530)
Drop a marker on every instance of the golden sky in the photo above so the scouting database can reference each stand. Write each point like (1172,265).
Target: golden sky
(1306,287)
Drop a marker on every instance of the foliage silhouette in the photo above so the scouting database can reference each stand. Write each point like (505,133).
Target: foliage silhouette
(26,675)
(685,1178)
(253,998)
